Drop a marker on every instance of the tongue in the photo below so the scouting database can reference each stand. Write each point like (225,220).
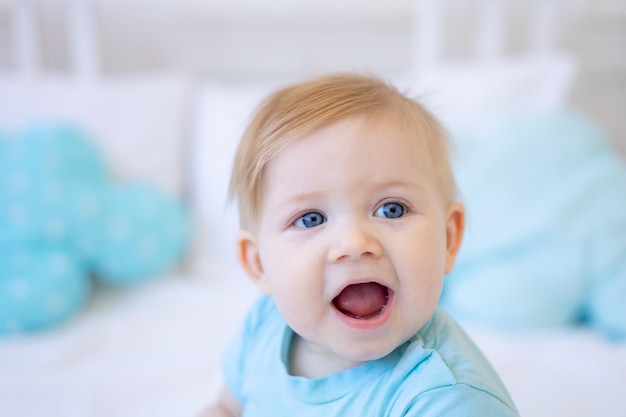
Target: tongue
(362,300)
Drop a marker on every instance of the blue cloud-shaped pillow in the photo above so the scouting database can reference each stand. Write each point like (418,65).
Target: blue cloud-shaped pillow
(141,234)
(39,286)
(63,220)
(51,180)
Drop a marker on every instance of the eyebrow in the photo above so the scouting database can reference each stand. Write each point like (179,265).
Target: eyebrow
(312,195)
(398,183)
(298,198)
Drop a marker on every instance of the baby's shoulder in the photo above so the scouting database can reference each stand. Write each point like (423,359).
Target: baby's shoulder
(262,317)
(442,363)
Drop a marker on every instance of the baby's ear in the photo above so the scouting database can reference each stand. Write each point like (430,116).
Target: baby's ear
(250,260)
(455,225)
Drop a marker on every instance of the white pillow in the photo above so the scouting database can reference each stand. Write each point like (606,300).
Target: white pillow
(222,113)
(472,96)
(137,121)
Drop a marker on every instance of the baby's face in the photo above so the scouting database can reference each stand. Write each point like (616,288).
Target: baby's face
(354,237)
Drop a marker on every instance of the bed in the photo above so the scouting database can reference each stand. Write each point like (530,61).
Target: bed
(154,348)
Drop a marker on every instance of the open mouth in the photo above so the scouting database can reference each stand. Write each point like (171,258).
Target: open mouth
(362,301)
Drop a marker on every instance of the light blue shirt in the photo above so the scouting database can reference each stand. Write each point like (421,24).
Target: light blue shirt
(440,372)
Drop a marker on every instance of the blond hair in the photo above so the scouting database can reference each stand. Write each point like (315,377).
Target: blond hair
(294,111)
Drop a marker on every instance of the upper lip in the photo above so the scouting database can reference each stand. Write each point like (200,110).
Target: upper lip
(356,282)
(358,273)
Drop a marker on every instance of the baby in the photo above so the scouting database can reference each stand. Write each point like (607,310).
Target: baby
(349,223)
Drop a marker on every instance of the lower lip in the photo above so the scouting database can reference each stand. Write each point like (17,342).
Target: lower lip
(367,323)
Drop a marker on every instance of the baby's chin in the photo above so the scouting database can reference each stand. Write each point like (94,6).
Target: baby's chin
(367,352)
(376,345)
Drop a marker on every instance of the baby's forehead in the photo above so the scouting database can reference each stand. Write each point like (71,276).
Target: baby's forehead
(366,146)
(388,127)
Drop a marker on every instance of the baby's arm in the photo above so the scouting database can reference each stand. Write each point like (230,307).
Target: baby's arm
(459,400)
(226,406)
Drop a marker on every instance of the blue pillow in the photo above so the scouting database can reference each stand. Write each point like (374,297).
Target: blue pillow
(39,286)
(51,183)
(545,242)
(142,232)
(61,220)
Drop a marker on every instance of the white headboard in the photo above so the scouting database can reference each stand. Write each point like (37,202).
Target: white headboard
(248,39)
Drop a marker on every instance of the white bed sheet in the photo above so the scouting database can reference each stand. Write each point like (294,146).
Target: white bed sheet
(155,350)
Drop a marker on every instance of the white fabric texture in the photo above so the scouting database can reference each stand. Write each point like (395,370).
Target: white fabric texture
(156,351)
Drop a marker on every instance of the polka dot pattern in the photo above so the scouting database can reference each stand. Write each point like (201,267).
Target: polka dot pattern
(44,174)
(62,220)
(39,286)
(143,232)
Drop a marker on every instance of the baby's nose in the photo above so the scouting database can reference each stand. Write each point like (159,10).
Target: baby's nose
(354,240)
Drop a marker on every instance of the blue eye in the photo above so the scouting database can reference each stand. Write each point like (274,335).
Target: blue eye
(310,219)
(390,210)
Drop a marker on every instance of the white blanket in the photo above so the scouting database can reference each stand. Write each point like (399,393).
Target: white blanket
(155,350)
